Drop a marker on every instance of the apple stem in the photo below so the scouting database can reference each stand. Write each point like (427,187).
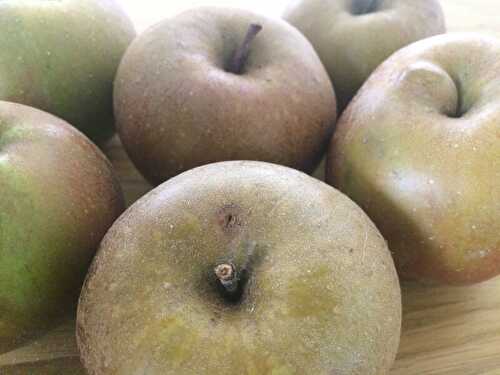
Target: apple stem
(240,55)
(365,7)
(228,277)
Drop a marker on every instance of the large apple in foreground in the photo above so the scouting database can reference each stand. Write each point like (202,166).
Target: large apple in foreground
(419,150)
(241,268)
(61,56)
(352,37)
(58,197)
(194,90)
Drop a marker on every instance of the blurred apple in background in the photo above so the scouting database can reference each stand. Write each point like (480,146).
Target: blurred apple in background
(352,37)
(62,56)
(419,150)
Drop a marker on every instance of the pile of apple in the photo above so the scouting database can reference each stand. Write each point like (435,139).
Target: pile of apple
(240,263)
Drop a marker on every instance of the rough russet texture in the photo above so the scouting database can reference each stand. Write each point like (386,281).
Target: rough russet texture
(58,197)
(178,108)
(322,295)
(419,150)
(352,37)
(62,56)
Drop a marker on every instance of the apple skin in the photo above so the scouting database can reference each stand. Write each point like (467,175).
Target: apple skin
(419,150)
(351,46)
(178,108)
(58,197)
(322,298)
(62,56)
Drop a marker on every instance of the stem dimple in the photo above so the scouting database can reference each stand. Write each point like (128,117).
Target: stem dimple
(240,55)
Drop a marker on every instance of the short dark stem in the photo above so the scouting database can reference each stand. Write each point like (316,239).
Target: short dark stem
(372,6)
(365,6)
(460,100)
(228,277)
(234,272)
(240,55)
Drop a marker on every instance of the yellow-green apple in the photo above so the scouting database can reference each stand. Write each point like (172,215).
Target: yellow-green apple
(241,267)
(352,37)
(419,150)
(58,197)
(207,86)
(61,56)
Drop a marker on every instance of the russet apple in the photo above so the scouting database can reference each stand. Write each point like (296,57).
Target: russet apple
(352,37)
(419,150)
(241,268)
(61,56)
(215,84)
(58,197)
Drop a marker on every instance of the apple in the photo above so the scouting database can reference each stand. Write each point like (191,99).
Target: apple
(216,84)
(61,56)
(419,150)
(241,267)
(352,37)
(58,197)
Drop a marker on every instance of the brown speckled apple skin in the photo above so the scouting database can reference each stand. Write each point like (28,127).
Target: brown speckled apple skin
(419,150)
(177,108)
(58,197)
(323,295)
(351,46)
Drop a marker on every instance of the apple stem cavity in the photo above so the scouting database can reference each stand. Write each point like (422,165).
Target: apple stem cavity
(240,55)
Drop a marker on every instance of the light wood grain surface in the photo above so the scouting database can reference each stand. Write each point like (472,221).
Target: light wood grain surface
(446,331)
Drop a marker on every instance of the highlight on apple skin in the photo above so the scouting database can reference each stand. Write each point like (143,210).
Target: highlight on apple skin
(226,269)
(419,150)
(179,104)
(352,37)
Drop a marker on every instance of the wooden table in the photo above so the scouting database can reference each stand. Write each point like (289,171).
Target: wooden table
(452,331)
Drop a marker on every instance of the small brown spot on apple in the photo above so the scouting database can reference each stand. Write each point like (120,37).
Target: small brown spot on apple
(229,218)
